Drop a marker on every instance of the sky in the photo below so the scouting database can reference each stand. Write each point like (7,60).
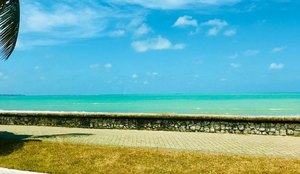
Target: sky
(69,47)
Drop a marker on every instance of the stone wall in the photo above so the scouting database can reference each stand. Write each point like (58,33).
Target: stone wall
(164,122)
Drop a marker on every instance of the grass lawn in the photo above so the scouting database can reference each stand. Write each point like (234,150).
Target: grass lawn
(88,159)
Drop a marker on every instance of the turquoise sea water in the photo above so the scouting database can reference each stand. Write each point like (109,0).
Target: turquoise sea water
(236,104)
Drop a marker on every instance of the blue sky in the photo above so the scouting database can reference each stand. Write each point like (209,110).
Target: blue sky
(142,46)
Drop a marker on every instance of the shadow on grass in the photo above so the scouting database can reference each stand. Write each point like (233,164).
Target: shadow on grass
(10,142)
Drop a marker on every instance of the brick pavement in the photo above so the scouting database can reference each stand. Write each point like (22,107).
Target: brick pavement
(258,145)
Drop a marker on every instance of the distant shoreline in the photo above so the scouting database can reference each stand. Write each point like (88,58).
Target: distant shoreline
(12,95)
(188,94)
(148,115)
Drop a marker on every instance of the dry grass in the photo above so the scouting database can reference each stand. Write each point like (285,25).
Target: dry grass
(72,158)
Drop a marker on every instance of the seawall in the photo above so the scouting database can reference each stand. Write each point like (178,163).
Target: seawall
(259,125)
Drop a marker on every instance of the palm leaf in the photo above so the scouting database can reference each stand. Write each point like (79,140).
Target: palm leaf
(9,26)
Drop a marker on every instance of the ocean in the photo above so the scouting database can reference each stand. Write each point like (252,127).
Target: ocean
(275,104)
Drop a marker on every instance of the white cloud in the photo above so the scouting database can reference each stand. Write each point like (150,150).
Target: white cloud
(276,66)
(185,21)
(36,68)
(216,22)
(152,74)
(117,33)
(135,22)
(179,46)
(142,30)
(175,4)
(216,25)
(138,27)
(134,76)
(278,49)
(108,66)
(234,56)
(230,32)
(27,44)
(213,31)
(158,43)
(42,78)
(145,82)
(155,74)
(94,66)
(251,52)
(3,76)
(235,65)
(63,19)
(97,66)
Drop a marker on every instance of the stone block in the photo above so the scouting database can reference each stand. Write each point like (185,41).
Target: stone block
(271,133)
(283,126)
(297,132)
(182,128)
(290,132)
(223,126)
(217,126)
(257,132)
(228,128)
(291,126)
(241,127)
(206,129)
(282,132)
(247,131)
(206,123)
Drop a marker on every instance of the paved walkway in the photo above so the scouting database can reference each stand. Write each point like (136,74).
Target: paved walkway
(206,142)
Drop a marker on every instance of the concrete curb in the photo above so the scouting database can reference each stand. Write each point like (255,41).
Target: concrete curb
(12,171)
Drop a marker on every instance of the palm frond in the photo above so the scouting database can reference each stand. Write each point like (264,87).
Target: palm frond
(9,26)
